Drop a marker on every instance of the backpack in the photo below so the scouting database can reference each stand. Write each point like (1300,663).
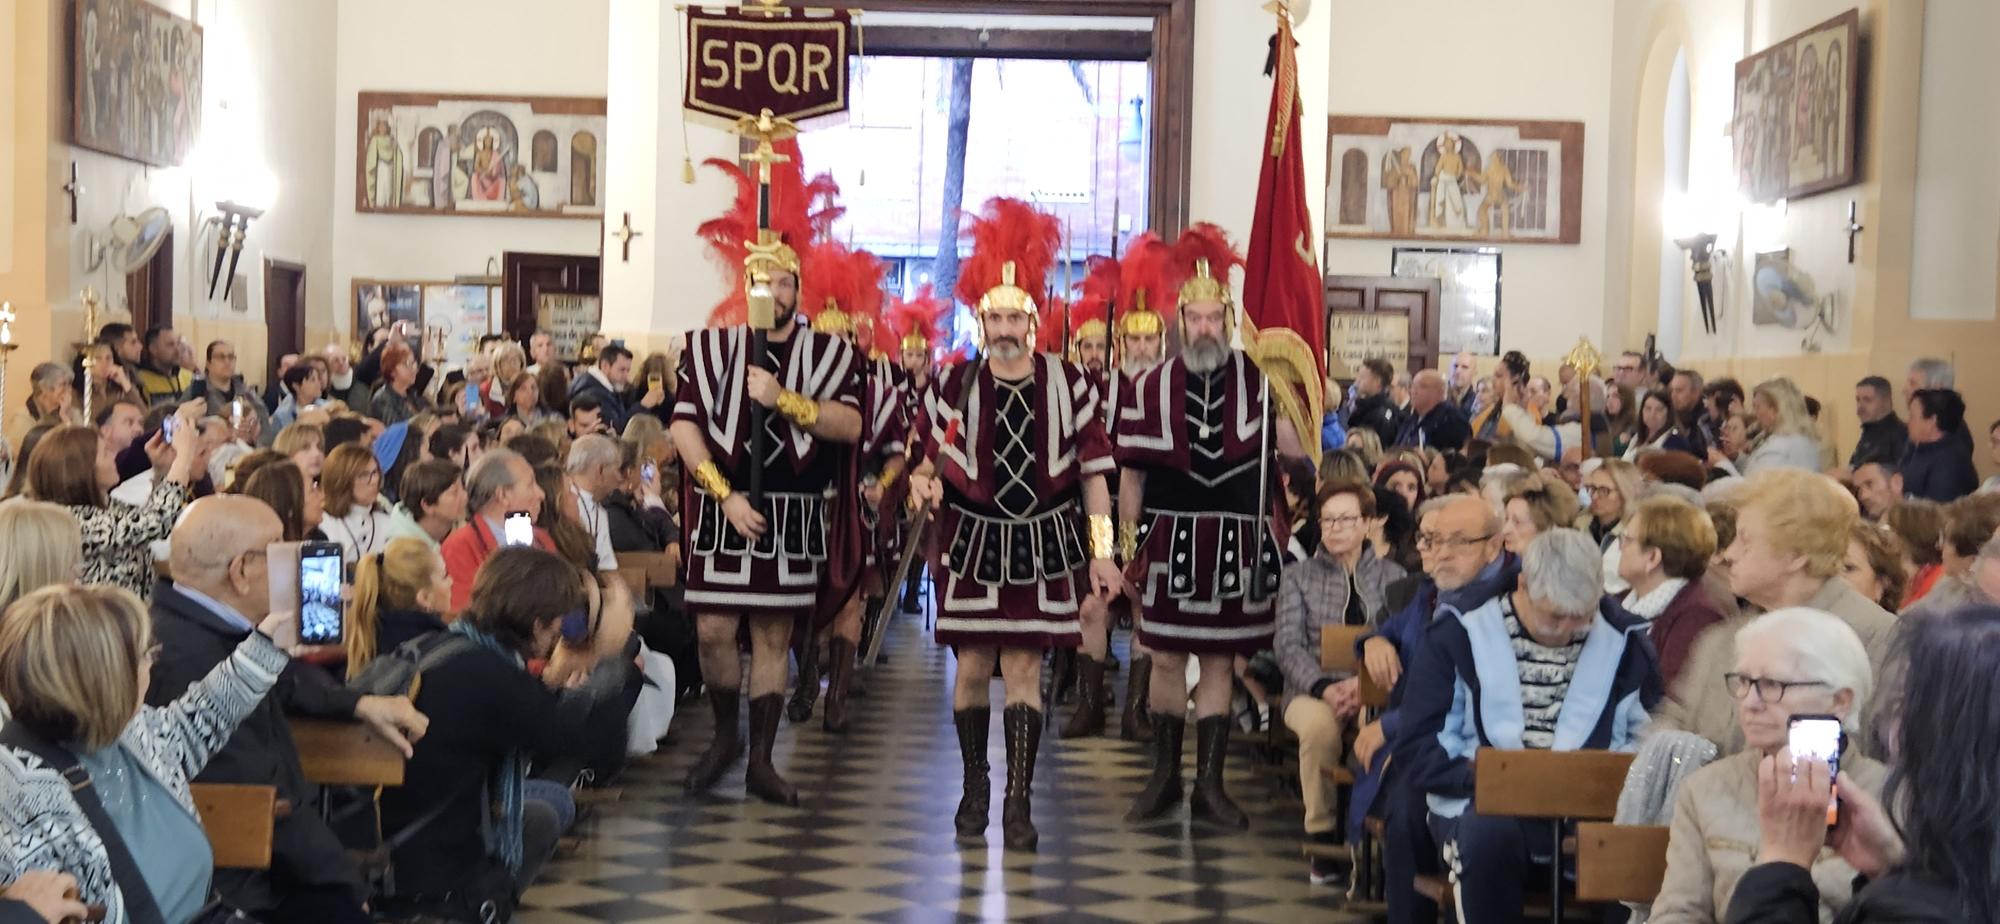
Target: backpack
(400,672)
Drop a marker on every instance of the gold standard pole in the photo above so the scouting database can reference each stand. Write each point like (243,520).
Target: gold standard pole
(763,306)
(1585,359)
(7,346)
(89,334)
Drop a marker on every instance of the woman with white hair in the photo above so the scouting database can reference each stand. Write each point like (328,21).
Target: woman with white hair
(1504,674)
(50,396)
(1789,440)
(1789,662)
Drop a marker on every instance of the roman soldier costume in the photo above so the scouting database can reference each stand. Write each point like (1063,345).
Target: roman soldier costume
(841,295)
(779,574)
(1012,544)
(1198,439)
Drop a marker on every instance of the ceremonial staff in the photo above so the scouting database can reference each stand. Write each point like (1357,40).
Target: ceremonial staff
(763,306)
(89,333)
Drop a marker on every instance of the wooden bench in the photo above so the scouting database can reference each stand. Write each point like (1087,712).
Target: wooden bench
(1620,863)
(645,571)
(1558,786)
(346,754)
(239,821)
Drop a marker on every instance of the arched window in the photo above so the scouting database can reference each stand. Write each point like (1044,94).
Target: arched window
(427,143)
(1353,187)
(544,152)
(583,169)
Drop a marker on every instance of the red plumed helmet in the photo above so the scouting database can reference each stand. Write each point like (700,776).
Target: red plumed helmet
(916,322)
(1098,290)
(840,290)
(1009,233)
(801,211)
(1145,302)
(1199,270)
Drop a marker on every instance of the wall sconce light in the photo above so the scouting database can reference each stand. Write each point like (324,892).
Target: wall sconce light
(230,227)
(1701,255)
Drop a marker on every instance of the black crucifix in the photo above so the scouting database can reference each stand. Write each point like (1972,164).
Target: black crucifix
(1853,230)
(74,189)
(625,234)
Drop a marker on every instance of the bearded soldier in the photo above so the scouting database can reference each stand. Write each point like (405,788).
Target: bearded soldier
(1196,521)
(1015,459)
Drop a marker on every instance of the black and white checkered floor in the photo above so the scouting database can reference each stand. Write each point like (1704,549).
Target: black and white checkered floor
(873,838)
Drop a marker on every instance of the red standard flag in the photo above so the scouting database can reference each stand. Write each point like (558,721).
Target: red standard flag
(1281,282)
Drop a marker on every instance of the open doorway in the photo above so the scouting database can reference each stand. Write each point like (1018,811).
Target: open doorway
(284,314)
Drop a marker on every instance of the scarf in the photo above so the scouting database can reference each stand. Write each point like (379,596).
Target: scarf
(503,829)
(1650,606)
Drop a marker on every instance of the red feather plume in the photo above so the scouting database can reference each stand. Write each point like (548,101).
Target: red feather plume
(801,211)
(1009,229)
(1099,288)
(1051,332)
(1142,275)
(923,312)
(851,278)
(1203,241)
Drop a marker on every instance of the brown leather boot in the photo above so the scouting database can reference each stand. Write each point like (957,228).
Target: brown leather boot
(760,778)
(807,692)
(1163,789)
(978,798)
(724,748)
(1023,725)
(839,675)
(1088,718)
(1208,801)
(1133,724)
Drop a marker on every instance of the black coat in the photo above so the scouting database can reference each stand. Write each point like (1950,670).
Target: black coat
(1443,427)
(637,528)
(1940,470)
(193,641)
(481,708)
(614,412)
(1378,413)
(1883,441)
(1784,893)
(394,627)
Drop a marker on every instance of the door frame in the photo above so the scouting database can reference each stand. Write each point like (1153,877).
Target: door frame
(297,341)
(1171,60)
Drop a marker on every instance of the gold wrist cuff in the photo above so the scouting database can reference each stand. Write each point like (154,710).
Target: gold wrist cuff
(887,478)
(799,409)
(1102,536)
(1128,541)
(711,480)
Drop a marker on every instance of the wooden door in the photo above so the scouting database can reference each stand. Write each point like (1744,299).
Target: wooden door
(1414,299)
(149,290)
(284,315)
(525,276)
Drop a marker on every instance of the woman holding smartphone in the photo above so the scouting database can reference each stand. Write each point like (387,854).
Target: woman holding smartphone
(1789,663)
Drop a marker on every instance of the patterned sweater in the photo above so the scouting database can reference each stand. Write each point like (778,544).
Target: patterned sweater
(41,826)
(118,537)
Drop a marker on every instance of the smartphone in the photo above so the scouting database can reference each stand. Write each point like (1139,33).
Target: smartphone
(320,609)
(236,414)
(656,382)
(520,530)
(650,472)
(168,425)
(1821,737)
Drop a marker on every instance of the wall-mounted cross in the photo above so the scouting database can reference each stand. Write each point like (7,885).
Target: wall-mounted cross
(625,234)
(1853,230)
(74,189)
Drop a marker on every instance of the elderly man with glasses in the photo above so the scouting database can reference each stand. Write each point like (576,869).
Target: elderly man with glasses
(1552,664)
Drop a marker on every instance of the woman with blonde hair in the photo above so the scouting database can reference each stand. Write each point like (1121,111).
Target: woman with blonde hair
(1365,443)
(305,445)
(40,544)
(1534,503)
(74,666)
(1789,437)
(399,594)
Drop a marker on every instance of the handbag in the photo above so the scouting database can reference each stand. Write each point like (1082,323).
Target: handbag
(140,906)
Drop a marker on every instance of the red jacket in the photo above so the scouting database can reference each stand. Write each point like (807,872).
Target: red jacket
(466,549)
(1687,616)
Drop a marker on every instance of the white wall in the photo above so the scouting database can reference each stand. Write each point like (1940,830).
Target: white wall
(1231,98)
(1958,191)
(517,47)
(1533,60)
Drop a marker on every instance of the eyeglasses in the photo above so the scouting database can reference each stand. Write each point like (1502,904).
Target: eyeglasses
(1433,540)
(1602,488)
(1768,690)
(1341,522)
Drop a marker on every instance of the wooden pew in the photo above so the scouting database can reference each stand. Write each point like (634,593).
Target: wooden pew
(346,754)
(1620,863)
(655,567)
(239,821)
(1558,786)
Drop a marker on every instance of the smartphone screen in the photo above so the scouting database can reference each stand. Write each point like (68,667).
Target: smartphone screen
(650,472)
(520,530)
(168,425)
(655,382)
(320,609)
(1819,736)
(236,413)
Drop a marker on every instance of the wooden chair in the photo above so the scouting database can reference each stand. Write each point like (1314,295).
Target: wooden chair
(1559,786)
(1620,863)
(346,754)
(239,821)
(1336,655)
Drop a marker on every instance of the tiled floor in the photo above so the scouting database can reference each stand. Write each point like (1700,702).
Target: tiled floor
(873,839)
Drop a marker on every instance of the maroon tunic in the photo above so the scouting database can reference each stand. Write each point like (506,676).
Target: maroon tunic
(1011,547)
(783,572)
(1197,439)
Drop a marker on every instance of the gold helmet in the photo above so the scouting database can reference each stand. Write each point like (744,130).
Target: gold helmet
(1198,270)
(1013,248)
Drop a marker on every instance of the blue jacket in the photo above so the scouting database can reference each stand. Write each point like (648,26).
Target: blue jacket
(1332,435)
(614,412)
(1617,681)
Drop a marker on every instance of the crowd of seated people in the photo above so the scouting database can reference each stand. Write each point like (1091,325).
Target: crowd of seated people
(140,646)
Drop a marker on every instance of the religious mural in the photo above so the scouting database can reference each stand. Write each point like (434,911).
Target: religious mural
(137,81)
(432,154)
(1793,132)
(1454,179)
